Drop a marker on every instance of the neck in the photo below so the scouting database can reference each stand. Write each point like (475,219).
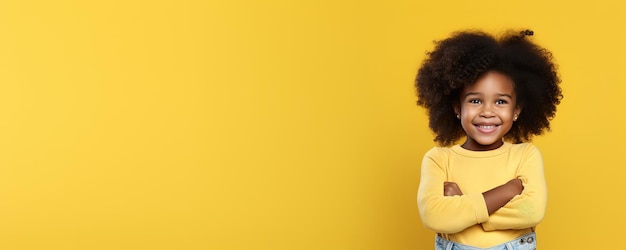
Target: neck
(470,144)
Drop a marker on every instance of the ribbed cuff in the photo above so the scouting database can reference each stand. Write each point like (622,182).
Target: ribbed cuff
(480,207)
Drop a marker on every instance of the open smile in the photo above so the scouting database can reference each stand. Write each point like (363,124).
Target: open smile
(487,128)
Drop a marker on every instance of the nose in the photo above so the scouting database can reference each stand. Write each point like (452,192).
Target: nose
(487,111)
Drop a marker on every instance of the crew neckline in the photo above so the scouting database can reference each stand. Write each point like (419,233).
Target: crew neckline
(488,153)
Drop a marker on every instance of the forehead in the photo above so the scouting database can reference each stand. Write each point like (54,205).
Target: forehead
(490,83)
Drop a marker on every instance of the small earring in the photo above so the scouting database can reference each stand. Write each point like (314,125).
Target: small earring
(458,116)
(515,118)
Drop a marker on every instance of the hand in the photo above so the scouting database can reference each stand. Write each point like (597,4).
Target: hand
(516,186)
(451,189)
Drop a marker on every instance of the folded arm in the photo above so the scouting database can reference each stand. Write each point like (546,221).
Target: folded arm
(527,209)
(446,214)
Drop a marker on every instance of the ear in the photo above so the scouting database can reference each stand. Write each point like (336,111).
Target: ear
(457,110)
(517,112)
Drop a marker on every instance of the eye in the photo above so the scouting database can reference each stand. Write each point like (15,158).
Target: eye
(475,101)
(501,102)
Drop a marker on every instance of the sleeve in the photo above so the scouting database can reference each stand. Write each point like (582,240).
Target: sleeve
(527,209)
(446,214)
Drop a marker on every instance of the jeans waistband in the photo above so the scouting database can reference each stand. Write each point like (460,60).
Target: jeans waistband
(524,242)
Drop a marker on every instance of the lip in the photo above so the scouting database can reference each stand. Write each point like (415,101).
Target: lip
(486,128)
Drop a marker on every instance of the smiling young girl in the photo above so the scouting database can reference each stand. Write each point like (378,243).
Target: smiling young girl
(490,191)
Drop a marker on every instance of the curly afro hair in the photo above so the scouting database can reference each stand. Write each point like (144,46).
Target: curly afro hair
(459,60)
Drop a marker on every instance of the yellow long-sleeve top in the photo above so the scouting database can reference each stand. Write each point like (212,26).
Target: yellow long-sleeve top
(464,218)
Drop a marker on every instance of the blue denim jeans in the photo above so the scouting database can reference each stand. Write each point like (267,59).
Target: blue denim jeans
(524,242)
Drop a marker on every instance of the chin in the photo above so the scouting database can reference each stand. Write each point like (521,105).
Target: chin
(487,143)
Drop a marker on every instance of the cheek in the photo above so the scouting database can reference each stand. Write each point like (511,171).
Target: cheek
(470,112)
(511,112)
(508,116)
(467,109)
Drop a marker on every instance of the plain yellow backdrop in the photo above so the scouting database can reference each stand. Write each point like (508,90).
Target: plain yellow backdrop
(274,124)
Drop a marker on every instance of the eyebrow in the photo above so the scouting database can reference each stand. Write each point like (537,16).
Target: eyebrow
(478,93)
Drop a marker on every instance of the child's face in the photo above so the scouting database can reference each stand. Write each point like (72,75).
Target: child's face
(487,111)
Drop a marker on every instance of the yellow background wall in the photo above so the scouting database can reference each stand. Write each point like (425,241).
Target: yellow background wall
(273,124)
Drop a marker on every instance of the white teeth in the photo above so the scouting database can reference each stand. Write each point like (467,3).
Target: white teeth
(486,126)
